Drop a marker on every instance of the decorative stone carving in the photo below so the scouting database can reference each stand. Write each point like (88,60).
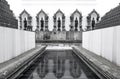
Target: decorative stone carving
(42,21)
(7,18)
(59,32)
(92,20)
(59,21)
(110,19)
(25,21)
(76,21)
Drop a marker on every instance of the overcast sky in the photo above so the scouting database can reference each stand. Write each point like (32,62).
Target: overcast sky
(67,6)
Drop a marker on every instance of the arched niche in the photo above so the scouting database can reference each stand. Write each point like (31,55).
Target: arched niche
(92,20)
(76,21)
(59,21)
(25,21)
(42,21)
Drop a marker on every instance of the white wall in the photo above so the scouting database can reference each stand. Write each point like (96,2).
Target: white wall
(14,42)
(104,42)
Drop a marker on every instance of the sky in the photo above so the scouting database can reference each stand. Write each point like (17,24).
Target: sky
(67,6)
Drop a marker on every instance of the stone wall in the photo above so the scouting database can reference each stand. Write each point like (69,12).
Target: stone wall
(62,36)
(7,18)
(110,19)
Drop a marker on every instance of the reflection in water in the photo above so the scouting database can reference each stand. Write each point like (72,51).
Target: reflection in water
(65,65)
(59,67)
(75,69)
(42,69)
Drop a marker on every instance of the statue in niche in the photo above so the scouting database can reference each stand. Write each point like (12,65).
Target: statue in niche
(42,24)
(76,24)
(93,23)
(59,24)
(25,24)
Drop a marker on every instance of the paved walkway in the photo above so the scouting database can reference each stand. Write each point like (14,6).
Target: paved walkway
(101,62)
(12,64)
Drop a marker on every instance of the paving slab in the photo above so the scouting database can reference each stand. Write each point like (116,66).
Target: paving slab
(10,65)
(101,62)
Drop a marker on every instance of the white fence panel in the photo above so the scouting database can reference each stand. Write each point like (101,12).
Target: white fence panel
(97,42)
(86,40)
(117,46)
(14,42)
(107,43)
(104,42)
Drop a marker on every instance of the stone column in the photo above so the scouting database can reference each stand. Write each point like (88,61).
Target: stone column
(30,23)
(80,23)
(21,23)
(46,23)
(88,23)
(38,27)
(63,23)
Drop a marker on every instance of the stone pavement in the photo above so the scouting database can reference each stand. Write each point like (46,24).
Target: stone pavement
(10,65)
(101,62)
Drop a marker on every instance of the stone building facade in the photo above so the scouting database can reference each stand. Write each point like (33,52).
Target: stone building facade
(7,18)
(59,32)
(63,36)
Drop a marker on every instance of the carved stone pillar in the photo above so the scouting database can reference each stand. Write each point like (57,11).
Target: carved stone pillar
(29,23)
(38,27)
(88,23)
(63,23)
(21,23)
(25,25)
(80,23)
(54,29)
(46,23)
